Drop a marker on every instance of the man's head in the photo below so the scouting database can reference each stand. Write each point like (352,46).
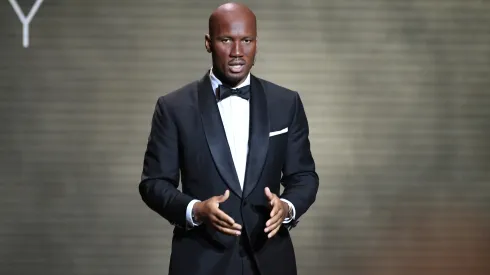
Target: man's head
(232,42)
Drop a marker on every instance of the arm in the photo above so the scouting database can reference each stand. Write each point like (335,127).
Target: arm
(299,179)
(160,176)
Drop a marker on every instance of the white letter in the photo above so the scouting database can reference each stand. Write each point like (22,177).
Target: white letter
(25,20)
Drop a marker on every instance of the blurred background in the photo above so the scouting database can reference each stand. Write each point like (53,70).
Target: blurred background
(398,101)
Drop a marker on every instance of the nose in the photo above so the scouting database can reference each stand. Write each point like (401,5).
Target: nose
(237,49)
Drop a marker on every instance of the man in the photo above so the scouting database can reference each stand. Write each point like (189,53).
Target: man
(232,139)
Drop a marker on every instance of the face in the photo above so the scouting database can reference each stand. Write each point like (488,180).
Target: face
(232,41)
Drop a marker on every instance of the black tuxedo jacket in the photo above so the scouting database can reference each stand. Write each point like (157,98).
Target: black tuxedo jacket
(187,143)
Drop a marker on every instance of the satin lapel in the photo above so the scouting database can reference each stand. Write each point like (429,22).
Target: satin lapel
(216,136)
(258,137)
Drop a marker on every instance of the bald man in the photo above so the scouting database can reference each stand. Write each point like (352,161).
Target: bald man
(233,138)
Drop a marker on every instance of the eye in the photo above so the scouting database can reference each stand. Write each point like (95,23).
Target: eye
(247,40)
(225,40)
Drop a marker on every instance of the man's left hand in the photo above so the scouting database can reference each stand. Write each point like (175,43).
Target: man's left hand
(279,212)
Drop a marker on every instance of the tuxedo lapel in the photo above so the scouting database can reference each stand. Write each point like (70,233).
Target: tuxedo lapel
(258,136)
(216,136)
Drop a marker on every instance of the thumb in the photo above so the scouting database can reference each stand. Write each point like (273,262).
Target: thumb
(268,193)
(224,197)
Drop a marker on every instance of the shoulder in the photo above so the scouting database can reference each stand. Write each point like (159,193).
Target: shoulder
(276,89)
(177,100)
(179,95)
(278,93)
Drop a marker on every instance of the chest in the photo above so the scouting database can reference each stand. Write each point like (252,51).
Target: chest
(233,119)
(235,116)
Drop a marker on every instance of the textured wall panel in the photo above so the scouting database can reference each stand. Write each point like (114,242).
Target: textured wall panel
(397,95)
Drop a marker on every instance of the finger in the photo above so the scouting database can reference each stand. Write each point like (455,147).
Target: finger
(224,224)
(223,197)
(272,222)
(276,205)
(275,208)
(222,216)
(273,225)
(274,232)
(237,226)
(276,214)
(227,230)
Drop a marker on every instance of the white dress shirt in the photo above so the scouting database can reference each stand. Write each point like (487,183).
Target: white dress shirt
(235,114)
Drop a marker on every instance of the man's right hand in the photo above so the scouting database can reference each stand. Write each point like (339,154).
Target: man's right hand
(208,211)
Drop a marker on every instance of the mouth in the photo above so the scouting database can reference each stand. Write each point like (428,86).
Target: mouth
(236,66)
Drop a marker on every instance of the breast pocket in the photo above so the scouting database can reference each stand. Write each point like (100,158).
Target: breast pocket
(278,132)
(278,141)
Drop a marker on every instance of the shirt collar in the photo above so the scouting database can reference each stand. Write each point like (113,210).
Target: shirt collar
(215,82)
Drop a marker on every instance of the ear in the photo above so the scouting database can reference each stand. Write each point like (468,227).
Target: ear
(207,42)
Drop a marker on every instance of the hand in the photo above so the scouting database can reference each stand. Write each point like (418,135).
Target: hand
(208,211)
(278,213)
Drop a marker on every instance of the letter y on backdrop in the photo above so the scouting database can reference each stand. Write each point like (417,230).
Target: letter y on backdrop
(25,20)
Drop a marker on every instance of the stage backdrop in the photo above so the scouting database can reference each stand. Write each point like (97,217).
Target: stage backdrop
(396,92)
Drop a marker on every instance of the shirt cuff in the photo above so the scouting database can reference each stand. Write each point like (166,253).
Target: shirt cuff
(289,219)
(190,221)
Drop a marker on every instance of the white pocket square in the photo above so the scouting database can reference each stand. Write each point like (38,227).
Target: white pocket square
(275,133)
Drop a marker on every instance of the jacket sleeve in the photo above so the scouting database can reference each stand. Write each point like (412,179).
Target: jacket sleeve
(299,179)
(160,176)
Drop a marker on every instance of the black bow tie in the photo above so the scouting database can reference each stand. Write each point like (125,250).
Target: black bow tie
(225,91)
